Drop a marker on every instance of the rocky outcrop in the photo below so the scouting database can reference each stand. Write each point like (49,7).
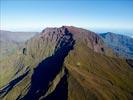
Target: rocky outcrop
(69,63)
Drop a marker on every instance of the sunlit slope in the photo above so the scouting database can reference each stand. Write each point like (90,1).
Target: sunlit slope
(96,76)
(68,63)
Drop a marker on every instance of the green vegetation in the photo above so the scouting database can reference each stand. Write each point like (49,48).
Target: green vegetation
(92,73)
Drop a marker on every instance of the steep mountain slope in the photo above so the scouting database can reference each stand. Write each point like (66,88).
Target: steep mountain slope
(122,45)
(10,46)
(68,63)
(11,41)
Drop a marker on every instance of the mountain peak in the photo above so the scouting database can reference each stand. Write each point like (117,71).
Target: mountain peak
(66,63)
(91,39)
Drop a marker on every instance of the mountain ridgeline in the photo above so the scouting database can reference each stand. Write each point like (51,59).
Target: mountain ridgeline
(12,41)
(121,45)
(67,63)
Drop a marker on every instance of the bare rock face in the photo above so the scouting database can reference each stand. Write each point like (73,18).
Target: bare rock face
(91,39)
(68,63)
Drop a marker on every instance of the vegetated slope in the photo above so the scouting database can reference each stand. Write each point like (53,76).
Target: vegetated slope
(7,46)
(12,41)
(69,63)
(122,45)
(10,46)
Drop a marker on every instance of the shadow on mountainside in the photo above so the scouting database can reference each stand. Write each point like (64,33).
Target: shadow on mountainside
(130,62)
(46,71)
(61,90)
(11,84)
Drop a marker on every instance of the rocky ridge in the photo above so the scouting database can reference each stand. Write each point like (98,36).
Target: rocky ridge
(68,63)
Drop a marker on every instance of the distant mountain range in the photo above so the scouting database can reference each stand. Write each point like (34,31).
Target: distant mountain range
(122,45)
(16,36)
(67,63)
(12,41)
(128,34)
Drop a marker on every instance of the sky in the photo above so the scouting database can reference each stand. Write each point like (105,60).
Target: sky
(96,15)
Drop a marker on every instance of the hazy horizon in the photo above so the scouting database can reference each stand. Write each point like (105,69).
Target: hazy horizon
(98,16)
(97,30)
